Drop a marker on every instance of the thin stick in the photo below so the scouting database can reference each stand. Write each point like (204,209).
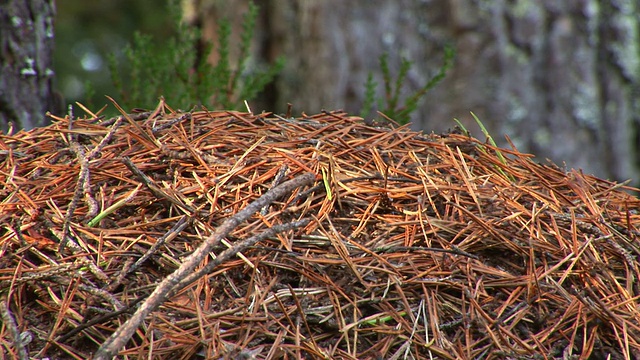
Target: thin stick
(120,337)
(155,189)
(230,252)
(10,323)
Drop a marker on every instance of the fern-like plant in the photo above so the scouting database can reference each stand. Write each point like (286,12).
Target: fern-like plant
(173,68)
(390,105)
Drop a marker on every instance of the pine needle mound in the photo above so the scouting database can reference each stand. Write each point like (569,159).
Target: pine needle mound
(405,246)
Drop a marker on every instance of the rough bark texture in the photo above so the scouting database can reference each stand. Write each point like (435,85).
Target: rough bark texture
(560,77)
(26,50)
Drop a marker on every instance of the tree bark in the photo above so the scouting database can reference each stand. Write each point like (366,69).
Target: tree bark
(561,78)
(26,53)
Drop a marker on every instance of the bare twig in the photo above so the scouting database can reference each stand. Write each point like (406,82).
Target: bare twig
(171,234)
(14,332)
(232,251)
(119,338)
(155,189)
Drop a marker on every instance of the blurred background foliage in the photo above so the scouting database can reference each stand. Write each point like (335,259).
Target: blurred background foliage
(87,32)
(163,59)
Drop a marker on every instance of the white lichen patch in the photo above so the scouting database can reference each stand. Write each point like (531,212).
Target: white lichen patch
(627,49)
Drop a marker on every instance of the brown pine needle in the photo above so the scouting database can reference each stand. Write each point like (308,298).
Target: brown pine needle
(405,245)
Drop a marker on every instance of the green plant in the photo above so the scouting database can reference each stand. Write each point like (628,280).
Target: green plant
(390,105)
(177,70)
(489,138)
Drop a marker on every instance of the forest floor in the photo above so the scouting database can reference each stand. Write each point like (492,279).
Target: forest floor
(323,237)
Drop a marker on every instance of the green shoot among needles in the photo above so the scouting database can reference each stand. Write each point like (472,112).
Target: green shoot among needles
(489,138)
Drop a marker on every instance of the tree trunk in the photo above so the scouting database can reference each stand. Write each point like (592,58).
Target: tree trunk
(26,50)
(561,78)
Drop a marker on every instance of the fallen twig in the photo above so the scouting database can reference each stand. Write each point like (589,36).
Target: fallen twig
(118,339)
